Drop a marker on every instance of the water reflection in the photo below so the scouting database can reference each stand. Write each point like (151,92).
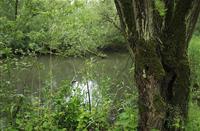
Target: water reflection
(53,69)
(88,90)
(50,71)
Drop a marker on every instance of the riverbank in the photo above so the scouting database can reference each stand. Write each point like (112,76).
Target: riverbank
(100,51)
(34,91)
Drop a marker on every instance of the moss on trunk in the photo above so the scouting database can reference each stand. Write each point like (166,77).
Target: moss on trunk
(162,70)
(149,74)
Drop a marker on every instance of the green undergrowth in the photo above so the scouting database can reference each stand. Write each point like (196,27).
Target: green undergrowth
(194,118)
(194,109)
(48,109)
(69,28)
(194,53)
(54,109)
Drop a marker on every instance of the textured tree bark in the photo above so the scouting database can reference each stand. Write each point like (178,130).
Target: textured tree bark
(160,47)
(149,73)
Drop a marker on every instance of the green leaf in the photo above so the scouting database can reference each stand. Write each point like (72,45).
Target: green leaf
(160,7)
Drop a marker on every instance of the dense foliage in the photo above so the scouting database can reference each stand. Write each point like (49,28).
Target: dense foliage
(62,27)
(69,28)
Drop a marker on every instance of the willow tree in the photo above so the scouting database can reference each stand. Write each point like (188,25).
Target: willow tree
(158,32)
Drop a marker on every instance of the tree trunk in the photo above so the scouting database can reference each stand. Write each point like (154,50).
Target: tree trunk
(16,8)
(162,72)
(149,74)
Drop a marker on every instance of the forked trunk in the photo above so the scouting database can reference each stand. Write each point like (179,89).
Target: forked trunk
(163,89)
(175,85)
(159,43)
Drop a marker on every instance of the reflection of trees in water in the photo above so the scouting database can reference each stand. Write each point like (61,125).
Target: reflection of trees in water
(88,90)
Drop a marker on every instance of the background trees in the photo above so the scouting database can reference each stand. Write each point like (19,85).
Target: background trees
(61,27)
(35,34)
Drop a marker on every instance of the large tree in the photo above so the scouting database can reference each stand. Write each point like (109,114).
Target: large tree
(158,32)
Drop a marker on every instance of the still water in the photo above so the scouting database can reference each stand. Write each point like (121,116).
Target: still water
(31,74)
(117,66)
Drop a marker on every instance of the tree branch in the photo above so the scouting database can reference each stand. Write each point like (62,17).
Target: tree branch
(192,19)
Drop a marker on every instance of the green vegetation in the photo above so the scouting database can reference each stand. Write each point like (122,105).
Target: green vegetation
(194,52)
(66,28)
(58,27)
(50,109)
(160,7)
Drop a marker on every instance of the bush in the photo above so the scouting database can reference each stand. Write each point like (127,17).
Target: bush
(59,27)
